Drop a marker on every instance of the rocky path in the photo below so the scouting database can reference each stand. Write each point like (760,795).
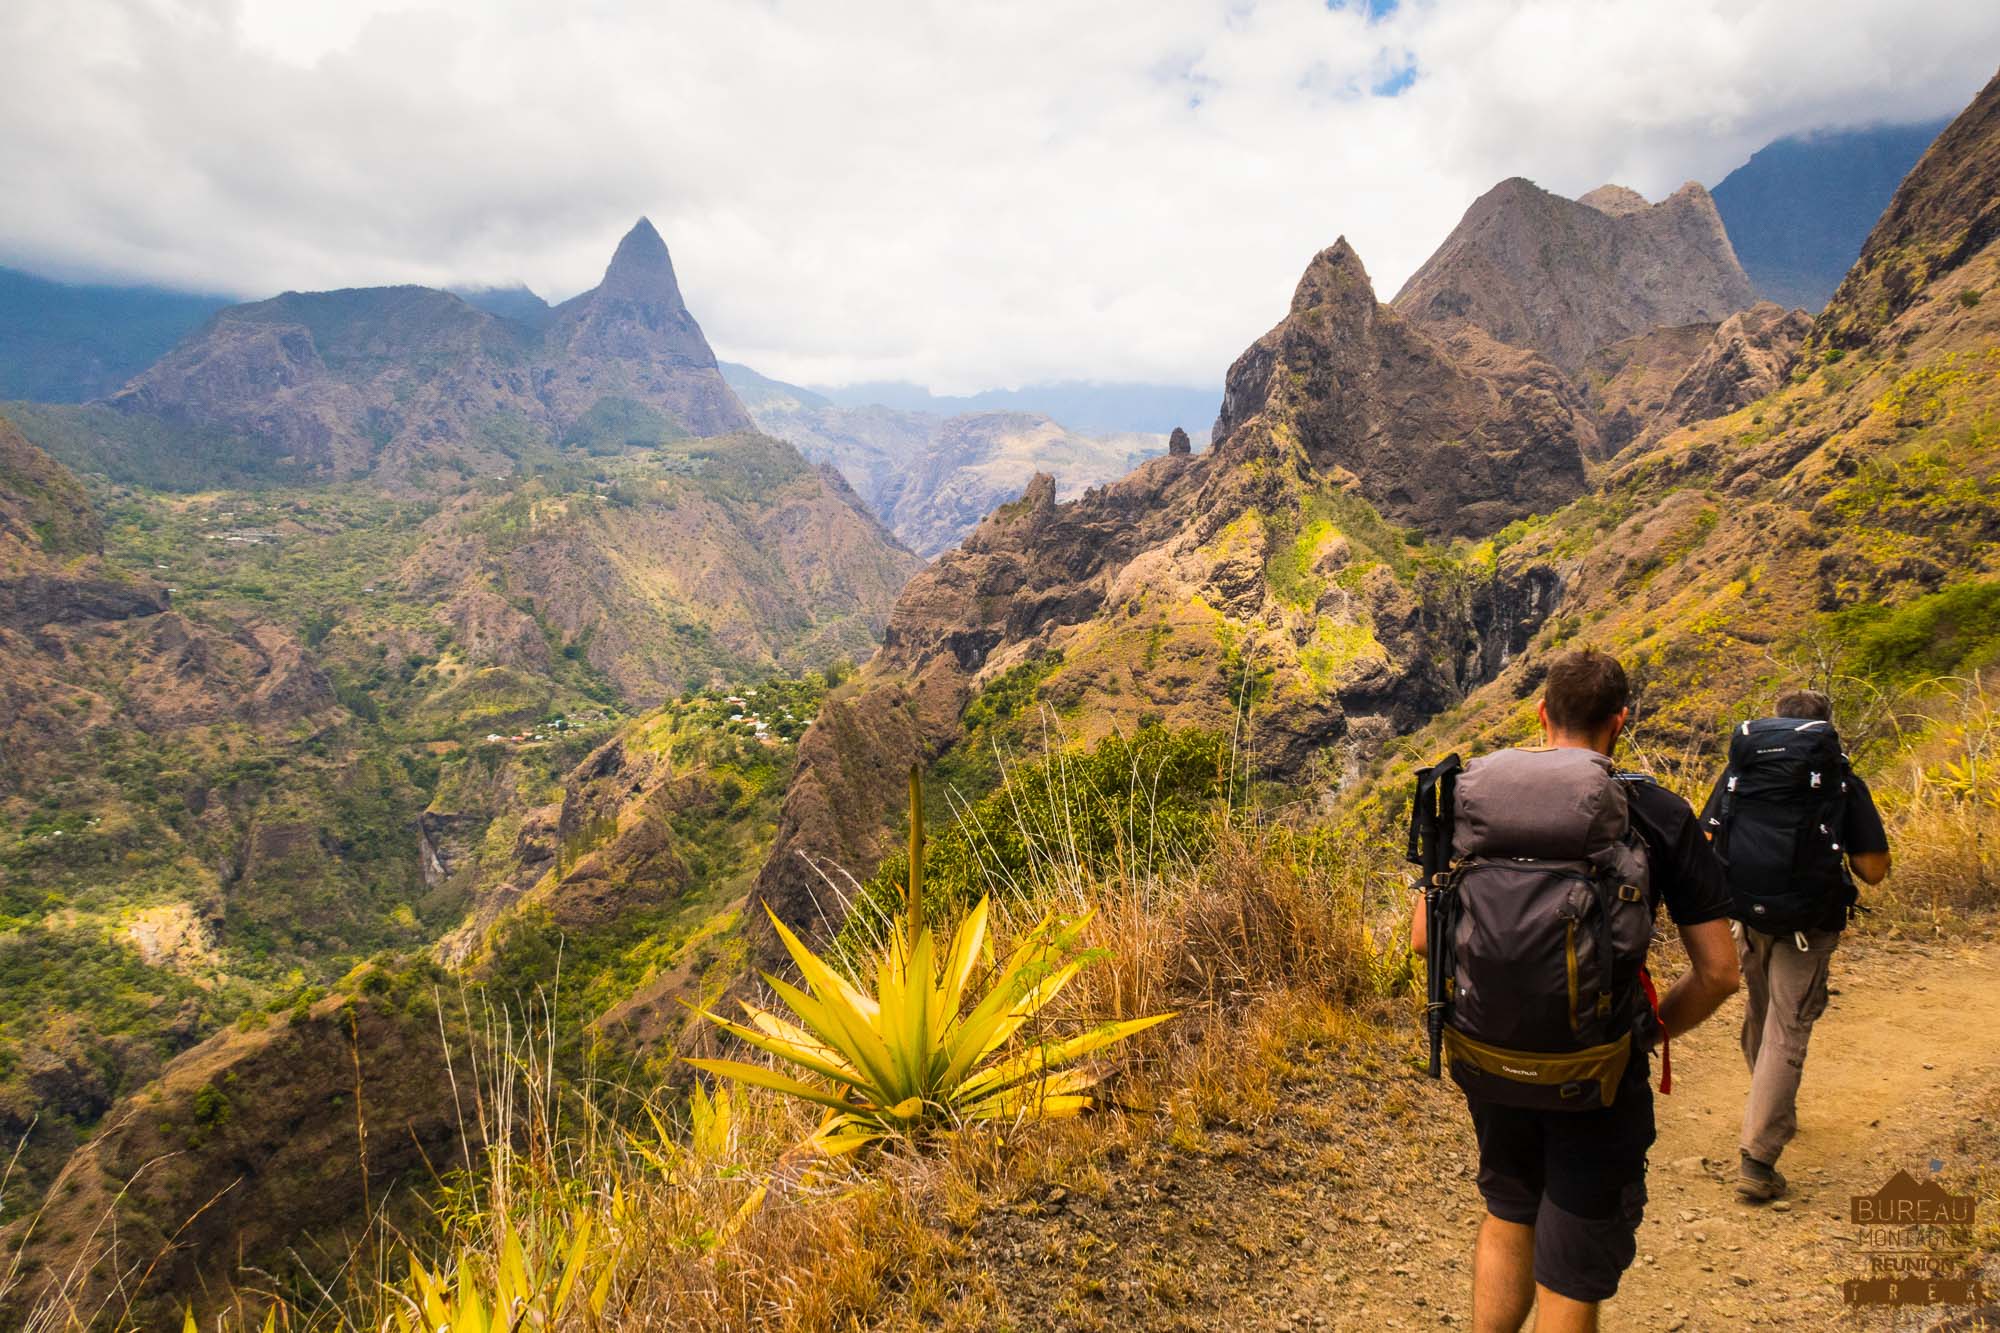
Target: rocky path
(1354,1207)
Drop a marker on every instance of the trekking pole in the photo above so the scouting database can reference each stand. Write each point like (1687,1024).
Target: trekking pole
(1431,823)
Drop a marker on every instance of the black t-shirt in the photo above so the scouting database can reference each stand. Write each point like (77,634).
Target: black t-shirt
(1861,832)
(1686,873)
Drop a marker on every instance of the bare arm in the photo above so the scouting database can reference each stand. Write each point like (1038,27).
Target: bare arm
(1420,935)
(1871,867)
(1712,979)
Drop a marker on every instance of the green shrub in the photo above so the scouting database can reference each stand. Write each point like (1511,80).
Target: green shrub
(1953,630)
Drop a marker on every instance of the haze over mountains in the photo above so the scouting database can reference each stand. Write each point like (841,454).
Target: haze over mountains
(369,642)
(931,478)
(1799,209)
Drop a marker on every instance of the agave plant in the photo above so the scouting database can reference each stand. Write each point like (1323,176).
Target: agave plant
(525,1286)
(923,1051)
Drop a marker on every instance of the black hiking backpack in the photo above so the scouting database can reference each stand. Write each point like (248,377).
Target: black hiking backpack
(1776,824)
(1550,916)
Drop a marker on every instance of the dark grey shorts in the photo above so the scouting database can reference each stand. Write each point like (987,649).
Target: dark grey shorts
(1577,1177)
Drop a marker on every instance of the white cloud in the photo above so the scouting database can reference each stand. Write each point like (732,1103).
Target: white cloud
(963,193)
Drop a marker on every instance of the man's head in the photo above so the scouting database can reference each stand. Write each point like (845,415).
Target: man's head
(1584,701)
(1806,705)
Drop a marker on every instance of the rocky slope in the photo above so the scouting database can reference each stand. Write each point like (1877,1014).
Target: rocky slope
(1642,387)
(931,478)
(694,564)
(1566,277)
(1260,575)
(418,388)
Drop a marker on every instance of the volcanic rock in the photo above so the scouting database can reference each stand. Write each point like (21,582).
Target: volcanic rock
(1566,277)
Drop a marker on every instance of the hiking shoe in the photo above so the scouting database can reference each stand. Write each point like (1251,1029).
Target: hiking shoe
(1758,1183)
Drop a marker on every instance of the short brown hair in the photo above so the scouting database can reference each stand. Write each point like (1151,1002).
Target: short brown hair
(1811,705)
(1584,691)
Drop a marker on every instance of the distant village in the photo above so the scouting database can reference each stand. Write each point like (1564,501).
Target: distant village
(772,722)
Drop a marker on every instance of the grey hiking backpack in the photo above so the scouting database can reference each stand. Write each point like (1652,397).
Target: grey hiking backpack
(1551,919)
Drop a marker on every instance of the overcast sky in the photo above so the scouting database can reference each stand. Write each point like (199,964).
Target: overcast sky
(960,193)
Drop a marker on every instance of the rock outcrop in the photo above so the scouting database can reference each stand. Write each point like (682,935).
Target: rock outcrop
(632,336)
(1751,354)
(1456,437)
(1566,277)
(1643,387)
(405,383)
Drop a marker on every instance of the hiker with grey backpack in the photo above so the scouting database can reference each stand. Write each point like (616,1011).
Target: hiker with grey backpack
(1795,825)
(1543,870)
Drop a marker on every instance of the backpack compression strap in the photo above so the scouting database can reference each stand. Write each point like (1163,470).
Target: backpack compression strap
(1666,1047)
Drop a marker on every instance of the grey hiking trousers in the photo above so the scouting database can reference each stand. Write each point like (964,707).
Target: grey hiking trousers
(1785,992)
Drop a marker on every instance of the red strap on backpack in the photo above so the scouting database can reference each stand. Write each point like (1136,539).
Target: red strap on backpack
(1666,1050)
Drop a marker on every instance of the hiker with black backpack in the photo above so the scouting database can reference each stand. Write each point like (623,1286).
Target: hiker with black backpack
(1543,870)
(1794,825)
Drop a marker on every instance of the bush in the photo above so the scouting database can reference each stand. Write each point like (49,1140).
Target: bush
(1127,808)
(1953,630)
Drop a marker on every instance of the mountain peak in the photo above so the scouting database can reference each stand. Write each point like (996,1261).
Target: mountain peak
(1615,200)
(1334,276)
(1566,277)
(641,267)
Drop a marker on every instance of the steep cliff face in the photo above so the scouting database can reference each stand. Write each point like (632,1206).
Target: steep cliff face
(1566,277)
(1641,388)
(249,1146)
(1260,576)
(410,383)
(1457,438)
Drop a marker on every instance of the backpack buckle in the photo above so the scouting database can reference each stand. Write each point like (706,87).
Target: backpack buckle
(1630,893)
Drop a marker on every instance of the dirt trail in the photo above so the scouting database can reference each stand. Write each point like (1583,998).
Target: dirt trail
(1355,1208)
